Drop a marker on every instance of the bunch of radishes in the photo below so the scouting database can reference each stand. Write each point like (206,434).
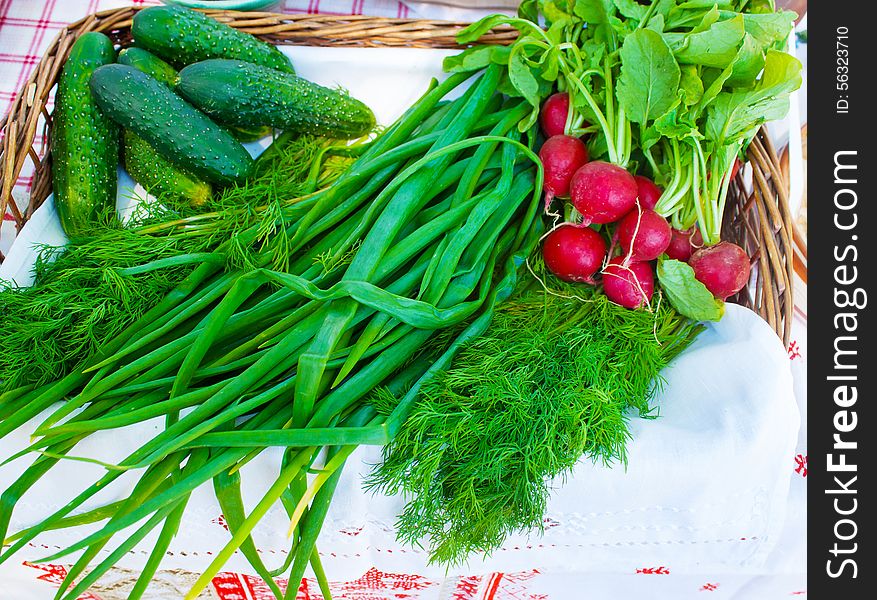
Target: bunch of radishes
(623,205)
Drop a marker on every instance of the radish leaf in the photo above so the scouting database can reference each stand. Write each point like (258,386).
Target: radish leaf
(649,76)
(734,115)
(686,294)
(715,47)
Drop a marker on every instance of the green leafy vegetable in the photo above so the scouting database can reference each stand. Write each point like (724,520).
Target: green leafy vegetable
(552,381)
(688,295)
(81,298)
(747,64)
(649,76)
(715,47)
(594,11)
(436,214)
(478,57)
(690,85)
(735,115)
(769,28)
(631,9)
(682,85)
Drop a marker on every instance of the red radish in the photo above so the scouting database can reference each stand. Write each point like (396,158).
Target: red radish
(561,155)
(723,268)
(644,235)
(630,286)
(647,192)
(554,113)
(574,253)
(602,192)
(735,168)
(681,247)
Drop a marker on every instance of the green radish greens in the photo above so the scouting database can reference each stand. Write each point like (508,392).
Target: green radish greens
(675,89)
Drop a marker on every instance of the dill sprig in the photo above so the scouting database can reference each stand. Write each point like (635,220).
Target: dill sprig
(81,298)
(553,380)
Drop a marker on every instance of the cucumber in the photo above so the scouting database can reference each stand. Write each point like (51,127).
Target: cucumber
(239,93)
(249,134)
(84,140)
(149,63)
(184,36)
(179,132)
(158,175)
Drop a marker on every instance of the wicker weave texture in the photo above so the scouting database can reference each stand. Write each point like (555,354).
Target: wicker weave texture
(757,216)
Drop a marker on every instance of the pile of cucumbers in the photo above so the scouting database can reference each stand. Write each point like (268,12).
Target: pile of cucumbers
(180,132)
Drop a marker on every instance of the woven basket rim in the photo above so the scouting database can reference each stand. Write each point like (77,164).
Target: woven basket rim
(757,218)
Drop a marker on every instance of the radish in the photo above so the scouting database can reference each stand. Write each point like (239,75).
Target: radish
(644,235)
(647,192)
(554,114)
(630,286)
(574,253)
(681,245)
(735,168)
(602,192)
(561,156)
(723,268)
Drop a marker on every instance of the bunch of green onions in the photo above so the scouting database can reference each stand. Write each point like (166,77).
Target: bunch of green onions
(427,230)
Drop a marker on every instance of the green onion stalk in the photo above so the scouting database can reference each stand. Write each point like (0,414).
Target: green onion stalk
(426,232)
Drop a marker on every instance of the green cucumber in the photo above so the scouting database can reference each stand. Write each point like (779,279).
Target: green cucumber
(249,134)
(159,176)
(149,63)
(184,36)
(239,93)
(143,163)
(84,140)
(179,132)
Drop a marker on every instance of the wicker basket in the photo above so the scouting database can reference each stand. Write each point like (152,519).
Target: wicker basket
(757,217)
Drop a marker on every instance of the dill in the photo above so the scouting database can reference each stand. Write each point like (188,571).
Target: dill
(554,379)
(81,299)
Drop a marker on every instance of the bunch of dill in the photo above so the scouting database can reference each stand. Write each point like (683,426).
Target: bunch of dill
(82,296)
(554,379)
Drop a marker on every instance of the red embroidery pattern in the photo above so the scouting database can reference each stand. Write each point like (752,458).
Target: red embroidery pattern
(466,588)
(794,350)
(654,571)
(220,520)
(230,586)
(351,531)
(373,585)
(801,465)
(800,593)
(377,581)
(548,523)
(55,574)
(709,587)
(377,585)
(510,586)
